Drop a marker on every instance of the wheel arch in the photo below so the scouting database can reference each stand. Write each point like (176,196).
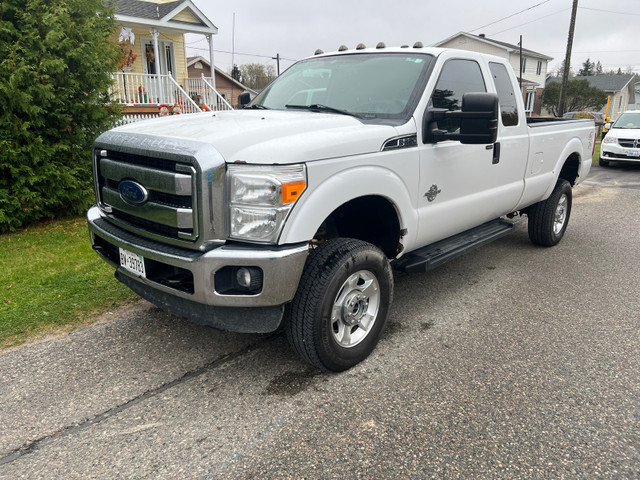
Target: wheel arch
(378,210)
(570,165)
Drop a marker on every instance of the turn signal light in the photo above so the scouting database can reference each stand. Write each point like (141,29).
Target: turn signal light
(291,191)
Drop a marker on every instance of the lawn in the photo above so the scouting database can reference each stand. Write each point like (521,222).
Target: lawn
(596,153)
(52,280)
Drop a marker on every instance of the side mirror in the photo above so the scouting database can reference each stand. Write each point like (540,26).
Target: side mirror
(244,98)
(478,121)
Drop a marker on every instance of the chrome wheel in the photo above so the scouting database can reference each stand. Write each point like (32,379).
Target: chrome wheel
(560,215)
(355,308)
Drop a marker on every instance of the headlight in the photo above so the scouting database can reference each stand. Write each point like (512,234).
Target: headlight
(610,139)
(260,199)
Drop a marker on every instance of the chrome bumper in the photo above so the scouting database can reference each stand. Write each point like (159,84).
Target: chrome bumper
(281,267)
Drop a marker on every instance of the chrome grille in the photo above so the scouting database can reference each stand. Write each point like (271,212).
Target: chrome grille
(170,209)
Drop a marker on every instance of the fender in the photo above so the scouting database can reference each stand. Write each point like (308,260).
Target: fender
(574,146)
(336,190)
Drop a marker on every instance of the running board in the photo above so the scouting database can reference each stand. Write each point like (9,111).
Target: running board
(434,255)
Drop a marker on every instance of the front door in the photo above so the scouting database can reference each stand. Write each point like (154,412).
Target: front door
(461,186)
(163,65)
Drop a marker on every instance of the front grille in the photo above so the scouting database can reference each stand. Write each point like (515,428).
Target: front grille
(628,142)
(169,209)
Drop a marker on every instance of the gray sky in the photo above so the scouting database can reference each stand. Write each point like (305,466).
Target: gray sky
(605,31)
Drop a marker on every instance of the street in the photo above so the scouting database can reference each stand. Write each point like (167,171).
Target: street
(513,361)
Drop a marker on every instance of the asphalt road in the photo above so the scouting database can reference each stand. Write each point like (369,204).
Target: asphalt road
(513,361)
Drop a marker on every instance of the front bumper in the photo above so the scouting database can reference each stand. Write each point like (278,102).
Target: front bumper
(197,296)
(614,152)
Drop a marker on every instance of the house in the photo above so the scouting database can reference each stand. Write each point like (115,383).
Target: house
(620,88)
(228,87)
(532,75)
(153,68)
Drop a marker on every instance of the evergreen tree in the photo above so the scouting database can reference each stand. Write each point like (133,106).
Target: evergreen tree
(599,70)
(235,73)
(588,68)
(55,60)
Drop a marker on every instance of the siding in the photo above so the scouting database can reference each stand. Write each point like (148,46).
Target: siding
(464,43)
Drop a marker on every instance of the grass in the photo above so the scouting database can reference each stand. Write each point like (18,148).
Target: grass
(596,153)
(52,280)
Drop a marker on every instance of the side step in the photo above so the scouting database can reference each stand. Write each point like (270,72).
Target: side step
(434,255)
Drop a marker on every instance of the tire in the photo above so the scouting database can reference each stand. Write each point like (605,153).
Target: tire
(548,219)
(603,163)
(340,308)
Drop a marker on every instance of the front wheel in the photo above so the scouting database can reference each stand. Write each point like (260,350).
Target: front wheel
(340,308)
(548,219)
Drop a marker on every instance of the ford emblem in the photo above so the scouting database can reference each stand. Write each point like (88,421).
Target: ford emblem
(132,192)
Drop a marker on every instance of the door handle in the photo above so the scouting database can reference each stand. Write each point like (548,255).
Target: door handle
(496,153)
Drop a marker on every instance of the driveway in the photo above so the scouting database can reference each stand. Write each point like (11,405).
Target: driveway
(513,361)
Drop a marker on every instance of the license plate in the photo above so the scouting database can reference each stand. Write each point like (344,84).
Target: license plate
(132,262)
(633,153)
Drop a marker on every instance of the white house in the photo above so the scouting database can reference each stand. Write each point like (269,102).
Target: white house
(532,75)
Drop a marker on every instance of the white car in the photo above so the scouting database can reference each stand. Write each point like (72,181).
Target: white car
(622,143)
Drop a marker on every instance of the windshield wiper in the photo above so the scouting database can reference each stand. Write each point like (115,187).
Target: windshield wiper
(258,106)
(317,107)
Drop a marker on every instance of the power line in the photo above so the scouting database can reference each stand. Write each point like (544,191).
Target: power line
(512,15)
(531,21)
(245,54)
(609,11)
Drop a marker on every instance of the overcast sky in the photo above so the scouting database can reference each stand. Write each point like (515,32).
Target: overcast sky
(605,31)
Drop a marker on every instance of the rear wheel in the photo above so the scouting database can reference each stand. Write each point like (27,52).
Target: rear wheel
(548,219)
(341,305)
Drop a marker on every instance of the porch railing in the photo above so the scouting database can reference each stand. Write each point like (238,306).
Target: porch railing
(137,88)
(202,91)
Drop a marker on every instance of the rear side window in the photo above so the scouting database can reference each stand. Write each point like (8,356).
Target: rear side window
(457,78)
(506,96)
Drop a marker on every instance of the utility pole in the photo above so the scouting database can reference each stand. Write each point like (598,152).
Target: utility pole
(567,61)
(521,72)
(277,59)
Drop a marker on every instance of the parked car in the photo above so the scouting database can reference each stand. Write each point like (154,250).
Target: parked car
(598,118)
(622,143)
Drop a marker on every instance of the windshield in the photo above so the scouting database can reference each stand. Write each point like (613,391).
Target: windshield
(372,87)
(628,120)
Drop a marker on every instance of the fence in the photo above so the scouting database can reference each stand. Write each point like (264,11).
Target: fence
(138,88)
(202,91)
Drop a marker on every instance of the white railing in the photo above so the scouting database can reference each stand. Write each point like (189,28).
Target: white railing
(202,91)
(141,89)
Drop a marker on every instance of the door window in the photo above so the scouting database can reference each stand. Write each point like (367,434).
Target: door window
(506,95)
(457,78)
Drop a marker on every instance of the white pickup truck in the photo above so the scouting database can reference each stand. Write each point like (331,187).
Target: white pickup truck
(295,210)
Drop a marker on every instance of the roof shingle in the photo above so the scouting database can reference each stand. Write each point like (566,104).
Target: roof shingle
(141,9)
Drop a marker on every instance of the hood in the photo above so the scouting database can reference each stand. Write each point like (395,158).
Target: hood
(270,136)
(620,132)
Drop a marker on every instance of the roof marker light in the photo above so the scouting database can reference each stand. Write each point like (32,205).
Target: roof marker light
(342,48)
(361,46)
(418,45)
(381,45)
(318,52)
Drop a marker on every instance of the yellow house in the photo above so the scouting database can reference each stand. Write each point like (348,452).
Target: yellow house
(153,71)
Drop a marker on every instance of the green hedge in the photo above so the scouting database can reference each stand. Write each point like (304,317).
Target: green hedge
(55,60)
